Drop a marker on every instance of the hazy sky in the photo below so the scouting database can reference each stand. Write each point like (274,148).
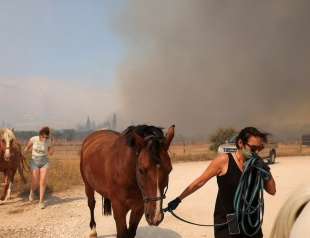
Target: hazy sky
(200,64)
(58,61)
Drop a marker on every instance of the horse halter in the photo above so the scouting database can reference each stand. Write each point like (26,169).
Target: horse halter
(155,199)
(152,199)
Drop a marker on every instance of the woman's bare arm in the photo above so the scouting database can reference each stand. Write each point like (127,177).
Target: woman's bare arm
(28,146)
(270,186)
(213,169)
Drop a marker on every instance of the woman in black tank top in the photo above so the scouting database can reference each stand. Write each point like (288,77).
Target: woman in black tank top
(227,185)
(228,170)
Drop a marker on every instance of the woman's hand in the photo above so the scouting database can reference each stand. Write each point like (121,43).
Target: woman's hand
(172,205)
(50,151)
(260,164)
(27,147)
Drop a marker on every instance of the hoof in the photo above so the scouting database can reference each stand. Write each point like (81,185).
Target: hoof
(93,233)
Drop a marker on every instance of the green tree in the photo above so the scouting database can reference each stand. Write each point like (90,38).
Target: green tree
(220,136)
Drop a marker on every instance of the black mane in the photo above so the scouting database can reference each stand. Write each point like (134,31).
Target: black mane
(154,136)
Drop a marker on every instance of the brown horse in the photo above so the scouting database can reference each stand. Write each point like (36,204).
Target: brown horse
(131,171)
(11,160)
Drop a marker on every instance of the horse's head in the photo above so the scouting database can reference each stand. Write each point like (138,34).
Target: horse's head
(7,138)
(152,171)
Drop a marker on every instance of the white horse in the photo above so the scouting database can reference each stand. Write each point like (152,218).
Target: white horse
(7,137)
(293,220)
(11,160)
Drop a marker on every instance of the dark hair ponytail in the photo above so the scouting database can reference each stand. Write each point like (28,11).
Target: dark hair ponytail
(247,132)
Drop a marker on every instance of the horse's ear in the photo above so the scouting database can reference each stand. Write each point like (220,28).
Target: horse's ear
(138,140)
(170,135)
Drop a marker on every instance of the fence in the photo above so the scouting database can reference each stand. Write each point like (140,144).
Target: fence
(305,139)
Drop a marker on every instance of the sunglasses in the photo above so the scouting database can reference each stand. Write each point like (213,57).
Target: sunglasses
(45,137)
(255,148)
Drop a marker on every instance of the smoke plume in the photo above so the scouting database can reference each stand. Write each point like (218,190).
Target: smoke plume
(208,64)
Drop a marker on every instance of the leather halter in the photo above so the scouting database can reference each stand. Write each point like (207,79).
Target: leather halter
(155,199)
(151,199)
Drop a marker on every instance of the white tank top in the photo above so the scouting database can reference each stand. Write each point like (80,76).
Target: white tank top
(39,148)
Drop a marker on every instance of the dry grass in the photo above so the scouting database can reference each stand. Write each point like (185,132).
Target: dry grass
(63,174)
(64,169)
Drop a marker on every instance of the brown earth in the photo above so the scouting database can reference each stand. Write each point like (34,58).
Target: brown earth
(67,214)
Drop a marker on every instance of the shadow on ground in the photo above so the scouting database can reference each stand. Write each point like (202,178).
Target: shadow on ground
(55,200)
(156,232)
(108,236)
(150,232)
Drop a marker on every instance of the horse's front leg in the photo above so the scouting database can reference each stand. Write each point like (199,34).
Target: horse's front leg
(8,195)
(5,187)
(119,212)
(135,217)
(10,181)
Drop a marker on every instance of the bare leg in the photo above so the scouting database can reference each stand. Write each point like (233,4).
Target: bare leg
(135,217)
(43,181)
(119,213)
(35,179)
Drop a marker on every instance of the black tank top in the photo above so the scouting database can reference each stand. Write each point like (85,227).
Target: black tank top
(227,186)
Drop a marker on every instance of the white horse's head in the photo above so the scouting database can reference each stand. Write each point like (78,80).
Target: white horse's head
(293,220)
(7,138)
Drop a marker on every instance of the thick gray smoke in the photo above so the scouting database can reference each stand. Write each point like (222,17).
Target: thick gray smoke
(208,64)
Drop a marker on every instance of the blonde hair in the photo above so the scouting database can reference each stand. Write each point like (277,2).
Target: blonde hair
(289,212)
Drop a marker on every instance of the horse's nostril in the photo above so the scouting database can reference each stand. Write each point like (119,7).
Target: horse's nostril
(147,215)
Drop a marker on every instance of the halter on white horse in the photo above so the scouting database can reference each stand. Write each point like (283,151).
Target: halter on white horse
(7,136)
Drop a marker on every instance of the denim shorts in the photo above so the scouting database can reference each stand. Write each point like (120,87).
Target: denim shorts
(39,163)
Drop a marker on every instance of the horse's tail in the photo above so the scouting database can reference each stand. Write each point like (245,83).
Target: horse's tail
(22,165)
(107,210)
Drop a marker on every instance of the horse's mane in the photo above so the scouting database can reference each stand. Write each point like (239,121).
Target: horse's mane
(1,132)
(289,212)
(9,131)
(154,136)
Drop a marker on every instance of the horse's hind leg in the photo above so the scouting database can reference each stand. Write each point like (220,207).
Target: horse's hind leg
(90,193)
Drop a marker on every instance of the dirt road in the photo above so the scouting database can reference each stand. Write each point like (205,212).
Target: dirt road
(67,214)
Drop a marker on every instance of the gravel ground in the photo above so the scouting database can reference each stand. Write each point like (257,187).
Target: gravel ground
(67,214)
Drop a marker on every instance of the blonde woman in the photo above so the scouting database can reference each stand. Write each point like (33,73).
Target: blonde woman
(293,220)
(41,149)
